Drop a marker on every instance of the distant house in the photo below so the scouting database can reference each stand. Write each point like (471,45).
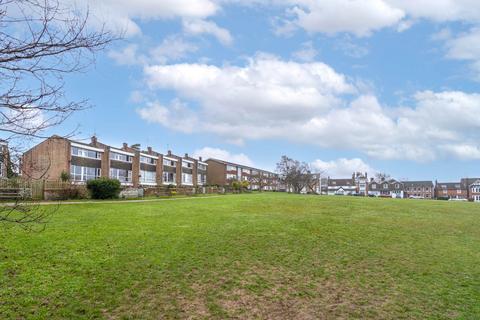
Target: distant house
(471,188)
(450,190)
(341,187)
(386,188)
(419,189)
(361,182)
(474,191)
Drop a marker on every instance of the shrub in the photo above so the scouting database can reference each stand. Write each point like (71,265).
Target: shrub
(104,188)
(65,176)
(73,192)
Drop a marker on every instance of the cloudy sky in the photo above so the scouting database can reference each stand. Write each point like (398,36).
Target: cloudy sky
(377,85)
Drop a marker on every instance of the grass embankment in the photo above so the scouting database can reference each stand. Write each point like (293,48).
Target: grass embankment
(247,256)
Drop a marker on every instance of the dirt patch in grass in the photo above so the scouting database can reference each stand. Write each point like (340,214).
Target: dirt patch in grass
(259,293)
(288,295)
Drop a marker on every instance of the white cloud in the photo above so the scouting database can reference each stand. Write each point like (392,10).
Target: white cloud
(465,46)
(176,116)
(351,49)
(464,151)
(127,56)
(307,53)
(335,16)
(342,167)
(363,17)
(221,154)
(269,98)
(198,27)
(121,15)
(172,48)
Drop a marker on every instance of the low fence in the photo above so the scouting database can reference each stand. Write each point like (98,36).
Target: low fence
(167,191)
(21,189)
(60,190)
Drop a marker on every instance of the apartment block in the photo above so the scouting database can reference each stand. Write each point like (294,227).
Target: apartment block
(222,173)
(132,166)
(419,189)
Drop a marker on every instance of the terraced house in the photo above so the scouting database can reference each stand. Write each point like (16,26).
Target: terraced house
(449,190)
(129,164)
(222,173)
(419,189)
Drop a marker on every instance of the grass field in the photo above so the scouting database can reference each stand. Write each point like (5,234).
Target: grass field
(267,256)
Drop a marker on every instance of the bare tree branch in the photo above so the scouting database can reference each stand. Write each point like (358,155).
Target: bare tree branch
(41,41)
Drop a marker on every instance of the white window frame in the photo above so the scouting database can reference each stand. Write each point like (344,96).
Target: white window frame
(185,180)
(84,177)
(115,174)
(174,180)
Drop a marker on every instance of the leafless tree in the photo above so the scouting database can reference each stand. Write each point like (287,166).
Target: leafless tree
(41,41)
(258,179)
(382,176)
(297,176)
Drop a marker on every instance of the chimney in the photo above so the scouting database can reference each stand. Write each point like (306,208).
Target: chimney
(125,146)
(186,155)
(94,141)
(169,152)
(149,150)
(200,158)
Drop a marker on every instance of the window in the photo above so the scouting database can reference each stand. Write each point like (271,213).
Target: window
(148,160)
(374,186)
(79,152)
(79,173)
(169,177)
(148,176)
(202,167)
(231,176)
(246,171)
(186,164)
(201,179)
(122,175)
(231,168)
(169,163)
(120,157)
(187,178)
(385,186)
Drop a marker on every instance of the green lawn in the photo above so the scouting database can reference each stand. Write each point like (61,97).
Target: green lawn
(263,256)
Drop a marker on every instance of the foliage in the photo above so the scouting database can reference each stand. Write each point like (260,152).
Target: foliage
(104,188)
(65,176)
(73,192)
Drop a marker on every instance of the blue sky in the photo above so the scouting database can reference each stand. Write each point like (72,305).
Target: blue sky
(379,85)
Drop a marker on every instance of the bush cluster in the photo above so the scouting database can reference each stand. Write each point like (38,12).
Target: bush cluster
(104,188)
